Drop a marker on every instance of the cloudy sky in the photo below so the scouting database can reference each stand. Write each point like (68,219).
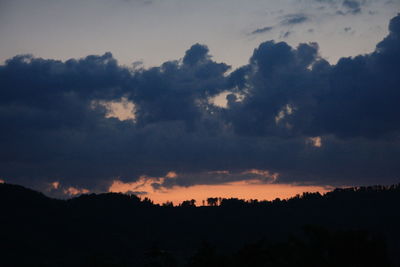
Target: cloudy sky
(176,97)
(154,31)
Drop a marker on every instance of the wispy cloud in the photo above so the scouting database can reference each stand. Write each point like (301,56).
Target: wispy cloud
(293,19)
(262,30)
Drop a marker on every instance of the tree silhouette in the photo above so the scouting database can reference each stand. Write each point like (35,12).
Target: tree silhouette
(212,201)
(188,203)
(168,204)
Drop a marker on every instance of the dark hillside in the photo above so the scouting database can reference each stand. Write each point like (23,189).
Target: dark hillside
(345,227)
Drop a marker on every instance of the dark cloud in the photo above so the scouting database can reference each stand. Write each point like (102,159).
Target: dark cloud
(196,54)
(354,6)
(347,29)
(216,177)
(366,88)
(289,113)
(333,97)
(175,91)
(286,34)
(293,19)
(262,30)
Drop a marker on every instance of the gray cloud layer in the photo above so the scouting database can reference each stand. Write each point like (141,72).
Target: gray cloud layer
(51,130)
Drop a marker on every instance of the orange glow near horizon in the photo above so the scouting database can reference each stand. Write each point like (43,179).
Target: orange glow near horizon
(55,185)
(73,191)
(252,189)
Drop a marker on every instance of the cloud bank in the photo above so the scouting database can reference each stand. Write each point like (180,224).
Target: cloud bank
(289,114)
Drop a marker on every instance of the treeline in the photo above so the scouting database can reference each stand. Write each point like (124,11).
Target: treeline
(344,227)
(19,195)
(362,191)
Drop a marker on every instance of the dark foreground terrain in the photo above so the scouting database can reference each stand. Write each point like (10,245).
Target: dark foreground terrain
(345,227)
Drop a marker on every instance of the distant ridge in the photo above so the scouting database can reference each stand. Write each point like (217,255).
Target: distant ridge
(349,227)
(17,194)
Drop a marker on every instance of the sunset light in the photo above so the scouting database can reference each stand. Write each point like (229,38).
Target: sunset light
(193,133)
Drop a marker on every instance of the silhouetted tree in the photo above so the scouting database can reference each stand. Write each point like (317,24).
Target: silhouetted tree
(188,203)
(168,204)
(212,201)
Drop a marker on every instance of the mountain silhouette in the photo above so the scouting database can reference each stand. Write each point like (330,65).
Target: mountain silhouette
(345,227)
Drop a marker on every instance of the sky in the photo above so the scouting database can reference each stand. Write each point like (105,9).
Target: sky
(154,31)
(172,99)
